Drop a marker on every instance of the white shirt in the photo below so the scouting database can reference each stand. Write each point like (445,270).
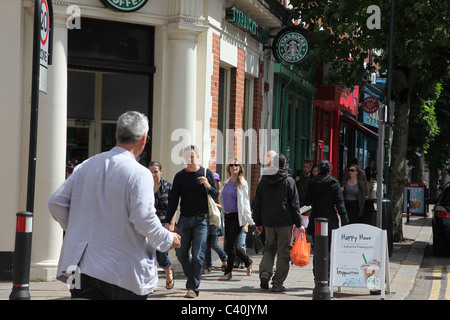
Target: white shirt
(107,209)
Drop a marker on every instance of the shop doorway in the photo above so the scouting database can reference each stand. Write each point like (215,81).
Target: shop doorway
(95,100)
(111,67)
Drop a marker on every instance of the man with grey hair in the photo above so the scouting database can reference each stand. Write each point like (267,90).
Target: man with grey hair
(106,208)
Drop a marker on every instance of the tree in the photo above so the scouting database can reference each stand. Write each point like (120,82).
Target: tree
(437,157)
(423,127)
(342,32)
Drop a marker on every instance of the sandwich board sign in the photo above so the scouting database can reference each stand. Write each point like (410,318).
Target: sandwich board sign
(359,258)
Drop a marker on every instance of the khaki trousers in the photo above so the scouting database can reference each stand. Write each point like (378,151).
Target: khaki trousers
(278,243)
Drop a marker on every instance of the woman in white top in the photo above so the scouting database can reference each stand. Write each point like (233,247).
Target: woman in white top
(236,205)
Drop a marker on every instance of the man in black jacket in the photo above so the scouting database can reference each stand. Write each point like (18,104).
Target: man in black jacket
(276,207)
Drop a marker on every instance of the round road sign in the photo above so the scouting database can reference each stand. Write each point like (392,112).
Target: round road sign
(370,105)
(45,22)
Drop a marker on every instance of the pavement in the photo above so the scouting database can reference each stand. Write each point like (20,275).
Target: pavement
(404,264)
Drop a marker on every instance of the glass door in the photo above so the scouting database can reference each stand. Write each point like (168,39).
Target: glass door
(94,102)
(80,143)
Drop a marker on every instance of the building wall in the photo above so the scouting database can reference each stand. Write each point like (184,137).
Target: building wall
(192,40)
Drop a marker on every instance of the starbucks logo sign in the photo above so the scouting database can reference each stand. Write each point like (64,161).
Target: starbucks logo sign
(125,5)
(290,45)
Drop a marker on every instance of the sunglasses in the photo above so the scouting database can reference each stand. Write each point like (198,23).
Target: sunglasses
(234,164)
(352,170)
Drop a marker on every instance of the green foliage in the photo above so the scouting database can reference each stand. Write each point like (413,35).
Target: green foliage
(423,126)
(439,152)
(339,29)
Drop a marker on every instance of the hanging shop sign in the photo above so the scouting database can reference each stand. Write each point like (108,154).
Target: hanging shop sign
(370,105)
(290,45)
(125,5)
(244,22)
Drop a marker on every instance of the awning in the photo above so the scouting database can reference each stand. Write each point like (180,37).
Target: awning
(359,126)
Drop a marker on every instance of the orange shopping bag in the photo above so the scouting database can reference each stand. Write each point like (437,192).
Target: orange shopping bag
(300,251)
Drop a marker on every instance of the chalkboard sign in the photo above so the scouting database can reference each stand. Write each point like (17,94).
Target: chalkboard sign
(359,258)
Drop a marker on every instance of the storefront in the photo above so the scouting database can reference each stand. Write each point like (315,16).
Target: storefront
(333,138)
(293,95)
(187,65)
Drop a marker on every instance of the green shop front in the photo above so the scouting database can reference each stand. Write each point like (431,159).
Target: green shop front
(292,113)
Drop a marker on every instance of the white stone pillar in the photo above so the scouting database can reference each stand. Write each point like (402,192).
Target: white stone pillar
(182,93)
(50,159)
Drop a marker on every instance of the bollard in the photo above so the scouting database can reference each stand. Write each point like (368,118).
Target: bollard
(321,289)
(22,256)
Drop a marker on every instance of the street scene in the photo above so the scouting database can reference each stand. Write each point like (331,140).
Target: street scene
(213,153)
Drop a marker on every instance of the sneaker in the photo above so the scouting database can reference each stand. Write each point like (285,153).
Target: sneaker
(278,288)
(190,294)
(264,282)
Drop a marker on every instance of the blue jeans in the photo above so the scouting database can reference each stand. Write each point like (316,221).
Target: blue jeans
(241,243)
(163,259)
(193,232)
(212,243)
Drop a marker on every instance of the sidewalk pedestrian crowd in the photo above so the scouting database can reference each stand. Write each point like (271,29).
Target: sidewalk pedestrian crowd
(120,219)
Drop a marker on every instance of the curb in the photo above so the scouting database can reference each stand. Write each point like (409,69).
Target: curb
(403,281)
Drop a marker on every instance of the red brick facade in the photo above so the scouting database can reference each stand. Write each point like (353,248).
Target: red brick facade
(236,105)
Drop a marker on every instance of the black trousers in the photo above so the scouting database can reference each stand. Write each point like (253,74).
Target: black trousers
(232,232)
(95,289)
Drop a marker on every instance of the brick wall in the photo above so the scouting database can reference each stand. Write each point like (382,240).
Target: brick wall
(258,92)
(213,124)
(236,110)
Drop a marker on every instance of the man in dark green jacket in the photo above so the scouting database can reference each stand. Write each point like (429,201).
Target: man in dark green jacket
(276,207)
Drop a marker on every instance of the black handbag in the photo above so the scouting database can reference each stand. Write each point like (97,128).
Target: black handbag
(258,240)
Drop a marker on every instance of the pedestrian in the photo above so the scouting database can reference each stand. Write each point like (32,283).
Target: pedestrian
(325,197)
(276,207)
(161,189)
(302,180)
(107,210)
(361,174)
(354,193)
(314,170)
(213,235)
(236,206)
(192,185)
(371,171)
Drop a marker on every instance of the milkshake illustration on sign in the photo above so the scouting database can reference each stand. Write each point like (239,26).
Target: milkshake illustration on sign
(371,271)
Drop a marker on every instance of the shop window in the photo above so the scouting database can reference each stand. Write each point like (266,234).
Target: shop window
(80,95)
(112,45)
(115,102)
(222,121)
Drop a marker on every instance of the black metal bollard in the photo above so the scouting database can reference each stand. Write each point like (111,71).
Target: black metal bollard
(22,256)
(321,289)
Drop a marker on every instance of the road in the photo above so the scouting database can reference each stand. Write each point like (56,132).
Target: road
(432,282)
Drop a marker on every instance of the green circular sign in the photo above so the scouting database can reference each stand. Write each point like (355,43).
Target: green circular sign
(125,5)
(291,46)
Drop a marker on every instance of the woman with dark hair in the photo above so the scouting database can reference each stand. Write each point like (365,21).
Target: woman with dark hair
(236,206)
(325,196)
(354,191)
